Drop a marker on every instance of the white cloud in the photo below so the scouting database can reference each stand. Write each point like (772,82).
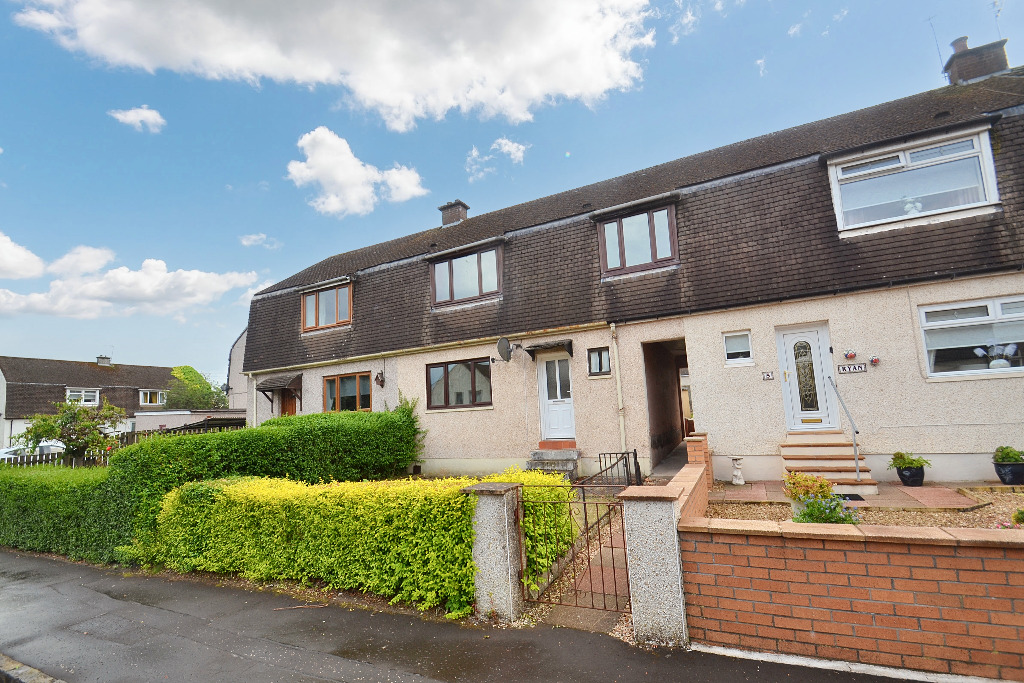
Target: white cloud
(403,60)
(259,239)
(476,165)
(514,150)
(1,150)
(17,262)
(762,69)
(687,21)
(81,260)
(718,6)
(245,297)
(348,185)
(139,117)
(794,30)
(841,15)
(121,291)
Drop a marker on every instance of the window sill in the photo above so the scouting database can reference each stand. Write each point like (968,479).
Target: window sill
(468,409)
(971,375)
(739,364)
(324,330)
(606,375)
(639,273)
(922,220)
(461,306)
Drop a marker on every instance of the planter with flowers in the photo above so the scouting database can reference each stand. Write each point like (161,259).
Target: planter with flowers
(1009,464)
(909,468)
(800,487)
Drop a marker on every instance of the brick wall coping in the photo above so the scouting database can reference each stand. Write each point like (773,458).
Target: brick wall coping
(679,486)
(1003,538)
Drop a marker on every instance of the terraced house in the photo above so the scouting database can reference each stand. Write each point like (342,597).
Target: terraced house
(873,259)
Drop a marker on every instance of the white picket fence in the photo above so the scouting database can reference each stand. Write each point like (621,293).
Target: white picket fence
(92,460)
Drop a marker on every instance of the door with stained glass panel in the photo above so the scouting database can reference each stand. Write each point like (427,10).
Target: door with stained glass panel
(806,365)
(558,421)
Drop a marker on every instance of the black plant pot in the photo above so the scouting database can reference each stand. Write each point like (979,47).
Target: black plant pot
(911,476)
(1010,473)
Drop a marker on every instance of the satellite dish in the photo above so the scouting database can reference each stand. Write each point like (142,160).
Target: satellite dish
(504,349)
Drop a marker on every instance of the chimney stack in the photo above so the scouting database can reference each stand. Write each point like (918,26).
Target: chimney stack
(103,361)
(971,63)
(453,212)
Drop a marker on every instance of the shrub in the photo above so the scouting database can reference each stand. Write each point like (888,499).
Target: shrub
(410,540)
(799,486)
(902,461)
(308,448)
(826,510)
(1018,516)
(1007,454)
(74,512)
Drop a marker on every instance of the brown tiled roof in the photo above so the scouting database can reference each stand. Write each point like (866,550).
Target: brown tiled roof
(935,109)
(758,238)
(35,384)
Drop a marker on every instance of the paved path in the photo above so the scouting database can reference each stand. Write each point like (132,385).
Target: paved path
(83,623)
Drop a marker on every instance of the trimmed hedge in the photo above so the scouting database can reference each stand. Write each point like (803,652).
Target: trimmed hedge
(408,540)
(308,448)
(73,512)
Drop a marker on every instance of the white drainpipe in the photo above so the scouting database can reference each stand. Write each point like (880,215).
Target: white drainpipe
(618,389)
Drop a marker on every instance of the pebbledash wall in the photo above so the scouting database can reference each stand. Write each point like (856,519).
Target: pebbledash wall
(948,601)
(955,422)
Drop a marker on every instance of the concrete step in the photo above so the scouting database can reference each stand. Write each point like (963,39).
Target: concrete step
(788,449)
(803,464)
(555,455)
(834,472)
(864,487)
(815,436)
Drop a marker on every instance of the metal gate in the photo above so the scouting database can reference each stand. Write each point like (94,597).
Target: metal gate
(574,541)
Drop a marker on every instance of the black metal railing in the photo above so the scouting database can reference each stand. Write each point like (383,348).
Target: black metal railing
(615,469)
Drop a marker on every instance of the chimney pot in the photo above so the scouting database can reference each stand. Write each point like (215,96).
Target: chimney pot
(959,45)
(453,212)
(103,360)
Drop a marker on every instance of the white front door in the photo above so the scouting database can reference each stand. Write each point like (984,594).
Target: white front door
(556,413)
(806,364)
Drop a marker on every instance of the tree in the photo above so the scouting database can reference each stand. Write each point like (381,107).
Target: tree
(80,428)
(190,390)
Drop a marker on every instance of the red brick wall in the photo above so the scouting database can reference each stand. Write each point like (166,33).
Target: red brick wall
(941,600)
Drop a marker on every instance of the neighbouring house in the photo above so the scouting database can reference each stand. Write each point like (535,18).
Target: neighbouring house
(30,386)
(237,386)
(880,250)
(152,420)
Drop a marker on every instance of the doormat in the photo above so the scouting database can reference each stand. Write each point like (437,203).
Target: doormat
(851,496)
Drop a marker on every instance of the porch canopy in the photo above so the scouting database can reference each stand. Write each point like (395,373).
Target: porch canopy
(272,384)
(564,344)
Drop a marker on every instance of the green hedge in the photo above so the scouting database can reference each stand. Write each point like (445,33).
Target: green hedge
(409,540)
(73,512)
(308,448)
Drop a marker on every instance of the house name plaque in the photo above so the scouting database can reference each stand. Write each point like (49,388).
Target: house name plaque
(853,367)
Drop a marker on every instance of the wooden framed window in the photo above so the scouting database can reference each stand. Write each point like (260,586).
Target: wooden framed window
(327,307)
(639,242)
(599,362)
(149,397)
(459,384)
(348,392)
(87,397)
(466,277)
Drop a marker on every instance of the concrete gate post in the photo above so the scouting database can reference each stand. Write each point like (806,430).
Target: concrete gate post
(497,551)
(655,572)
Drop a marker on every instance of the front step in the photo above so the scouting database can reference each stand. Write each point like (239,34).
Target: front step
(831,473)
(830,448)
(864,487)
(828,454)
(817,436)
(562,461)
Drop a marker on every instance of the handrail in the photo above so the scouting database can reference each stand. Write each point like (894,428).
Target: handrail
(853,425)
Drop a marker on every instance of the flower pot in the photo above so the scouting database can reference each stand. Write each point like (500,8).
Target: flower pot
(911,476)
(1010,473)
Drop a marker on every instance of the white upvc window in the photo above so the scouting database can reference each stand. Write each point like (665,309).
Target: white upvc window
(974,337)
(87,397)
(152,397)
(737,348)
(905,184)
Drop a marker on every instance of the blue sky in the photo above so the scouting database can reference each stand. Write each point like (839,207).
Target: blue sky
(160,161)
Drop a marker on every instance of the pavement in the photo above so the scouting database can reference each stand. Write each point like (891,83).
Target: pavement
(79,622)
(928,498)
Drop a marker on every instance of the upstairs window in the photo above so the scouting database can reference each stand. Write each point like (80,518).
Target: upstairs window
(152,398)
(645,240)
(462,384)
(467,277)
(974,337)
(347,392)
(912,181)
(327,308)
(87,397)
